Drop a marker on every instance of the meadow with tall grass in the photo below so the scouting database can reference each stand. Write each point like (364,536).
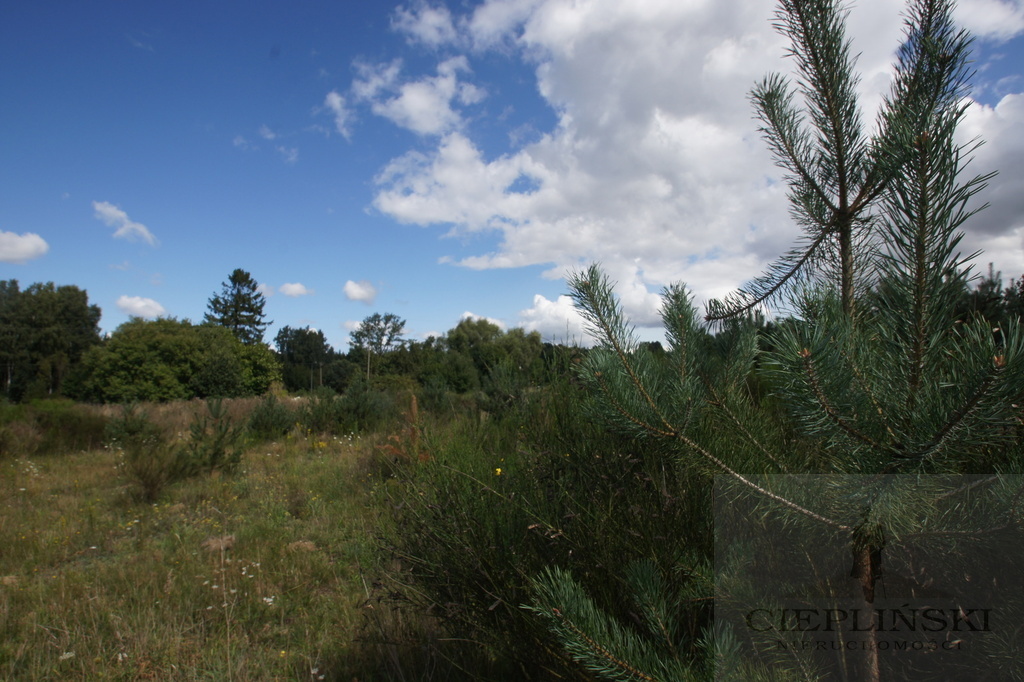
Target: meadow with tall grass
(373,535)
(266,571)
(328,537)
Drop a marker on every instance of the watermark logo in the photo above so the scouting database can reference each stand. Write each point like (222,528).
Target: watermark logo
(871,577)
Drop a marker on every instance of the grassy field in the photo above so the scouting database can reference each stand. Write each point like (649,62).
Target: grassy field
(267,573)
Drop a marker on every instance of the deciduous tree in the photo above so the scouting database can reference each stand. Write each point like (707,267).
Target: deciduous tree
(44,330)
(378,334)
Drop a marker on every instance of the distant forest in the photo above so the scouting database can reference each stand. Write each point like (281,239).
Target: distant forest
(51,346)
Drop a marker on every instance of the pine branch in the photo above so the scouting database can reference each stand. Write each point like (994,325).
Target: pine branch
(594,639)
(593,295)
(866,389)
(942,437)
(600,652)
(756,488)
(720,403)
(828,409)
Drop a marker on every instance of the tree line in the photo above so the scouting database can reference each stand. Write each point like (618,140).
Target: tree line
(51,346)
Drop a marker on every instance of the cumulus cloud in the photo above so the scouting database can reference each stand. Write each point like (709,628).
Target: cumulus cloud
(426,24)
(655,167)
(360,291)
(21,248)
(137,306)
(998,230)
(295,289)
(556,321)
(424,106)
(127,228)
(993,19)
(473,316)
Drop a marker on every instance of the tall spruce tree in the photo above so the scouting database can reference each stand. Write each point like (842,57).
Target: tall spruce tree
(239,307)
(909,418)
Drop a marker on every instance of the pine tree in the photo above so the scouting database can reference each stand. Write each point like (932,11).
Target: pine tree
(239,307)
(908,418)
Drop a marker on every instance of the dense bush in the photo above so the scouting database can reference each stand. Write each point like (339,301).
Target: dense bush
(48,427)
(362,408)
(271,419)
(501,498)
(166,359)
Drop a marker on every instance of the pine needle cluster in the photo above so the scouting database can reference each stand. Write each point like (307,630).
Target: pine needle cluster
(907,417)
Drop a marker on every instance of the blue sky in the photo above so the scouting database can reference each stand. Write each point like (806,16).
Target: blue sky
(425,159)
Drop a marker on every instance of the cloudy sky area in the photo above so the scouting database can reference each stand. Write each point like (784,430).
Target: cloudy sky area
(430,160)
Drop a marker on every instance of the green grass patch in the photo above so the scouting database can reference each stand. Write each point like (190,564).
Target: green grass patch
(262,574)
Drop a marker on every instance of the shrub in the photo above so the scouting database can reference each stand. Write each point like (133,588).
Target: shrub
(322,412)
(215,443)
(150,461)
(49,427)
(535,485)
(270,419)
(366,408)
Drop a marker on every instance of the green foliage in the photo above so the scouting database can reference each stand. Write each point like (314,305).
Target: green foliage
(239,308)
(44,330)
(322,412)
(362,408)
(149,459)
(876,380)
(270,419)
(260,369)
(48,427)
(167,359)
(501,498)
(153,460)
(481,355)
(604,646)
(304,354)
(215,442)
(377,335)
(366,407)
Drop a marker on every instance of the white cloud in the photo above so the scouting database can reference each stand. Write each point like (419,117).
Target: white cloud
(557,321)
(289,154)
(655,167)
(994,19)
(336,104)
(998,230)
(113,216)
(266,133)
(138,306)
(360,291)
(498,21)
(473,316)
(425,24)
(423,106)
(295,289)
(21,248)
(266,289)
